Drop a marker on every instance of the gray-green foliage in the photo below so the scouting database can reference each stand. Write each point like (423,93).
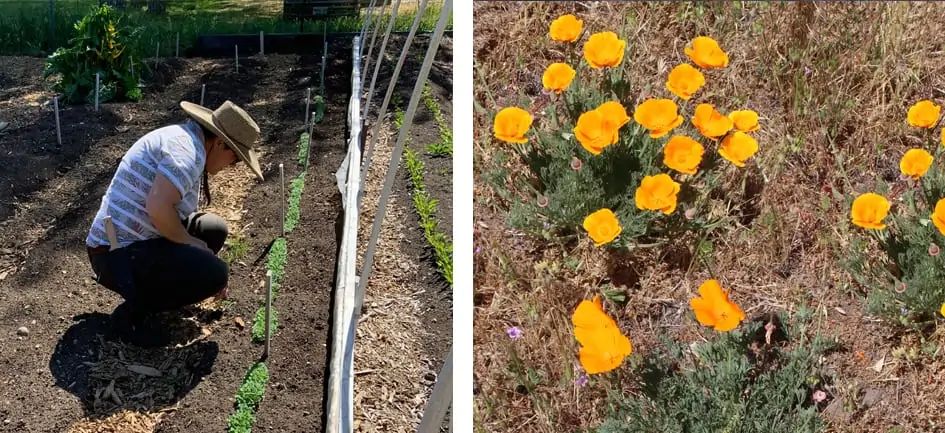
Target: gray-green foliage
(564,182)
(904,275)
(723,386)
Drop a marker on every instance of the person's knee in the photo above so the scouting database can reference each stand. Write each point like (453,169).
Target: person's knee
(213,230)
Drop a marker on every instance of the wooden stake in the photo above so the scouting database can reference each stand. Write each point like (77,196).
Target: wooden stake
(58,128)
(308,100)
(237,47)
(203,91)
(132,65)
(157,52)
(177,53)
(262,47)
(268,313)
(97,88)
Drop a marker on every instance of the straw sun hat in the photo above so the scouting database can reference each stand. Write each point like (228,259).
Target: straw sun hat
(234,126)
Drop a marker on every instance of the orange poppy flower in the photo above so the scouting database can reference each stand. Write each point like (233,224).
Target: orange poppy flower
(711,123)
(603,346)
(511,124)
(658,115)
(557,77)
(602,226)
(615,117)
(604,49)
(714,309)
(683,154)
(924,114)
(592,132)
(915,163)
(744,120)
(707,53)
(566,28)
(684,80)
(938,216)
(738,147)
(869,210)
(657,193)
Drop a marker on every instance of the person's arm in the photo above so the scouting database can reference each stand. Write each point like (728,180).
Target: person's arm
(175,167)
(162,207)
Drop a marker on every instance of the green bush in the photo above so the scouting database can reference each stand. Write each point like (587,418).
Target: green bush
(732,383)
(100,45)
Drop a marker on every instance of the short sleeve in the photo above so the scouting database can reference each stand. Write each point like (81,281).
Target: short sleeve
(177,161)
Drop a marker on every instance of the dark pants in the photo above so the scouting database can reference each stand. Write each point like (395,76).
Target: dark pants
(166,275)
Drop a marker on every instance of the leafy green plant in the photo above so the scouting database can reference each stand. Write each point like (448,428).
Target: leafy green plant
(733,383)
(303,149)
(259,323)
(426,209)
(276,262)
(445,145)
(295,199)
(102,45)
(248,397)
(897,232)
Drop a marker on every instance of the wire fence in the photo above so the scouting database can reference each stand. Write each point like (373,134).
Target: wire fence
(38,27)
(350,284)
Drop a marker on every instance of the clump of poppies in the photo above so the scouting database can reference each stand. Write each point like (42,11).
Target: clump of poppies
(906,221)
(650,163)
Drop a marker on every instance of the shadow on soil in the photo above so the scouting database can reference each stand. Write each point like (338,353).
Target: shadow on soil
(108,376)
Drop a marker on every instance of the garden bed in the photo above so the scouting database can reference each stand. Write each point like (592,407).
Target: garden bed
(49,200)
(405,331)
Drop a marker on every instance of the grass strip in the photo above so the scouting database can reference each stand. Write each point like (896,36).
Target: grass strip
(248,397)
(445,146)
(426,209)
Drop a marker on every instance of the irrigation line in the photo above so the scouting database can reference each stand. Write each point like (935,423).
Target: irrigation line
(398,150)
(380,55)
(390,92)
(339,410)
(440,399)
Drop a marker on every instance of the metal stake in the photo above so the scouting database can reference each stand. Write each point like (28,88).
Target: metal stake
(268,313)
(97,88)
(308,100)
(58,128)
(282,181)
(203,90)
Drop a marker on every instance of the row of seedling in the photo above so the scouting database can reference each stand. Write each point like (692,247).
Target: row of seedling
(266,318)
(444,147)
(425,205)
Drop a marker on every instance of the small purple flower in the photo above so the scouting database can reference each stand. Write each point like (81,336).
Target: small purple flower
(514,333)
(690,214)
(576,163)
(807,71)
(478,249)
(819,396)
(547,225)
(581,380)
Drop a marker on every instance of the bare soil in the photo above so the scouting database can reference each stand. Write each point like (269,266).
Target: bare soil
(50,194)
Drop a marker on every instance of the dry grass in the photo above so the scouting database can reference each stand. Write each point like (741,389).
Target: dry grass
(832,82)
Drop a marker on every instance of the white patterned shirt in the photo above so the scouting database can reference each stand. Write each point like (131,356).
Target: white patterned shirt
(177,152)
